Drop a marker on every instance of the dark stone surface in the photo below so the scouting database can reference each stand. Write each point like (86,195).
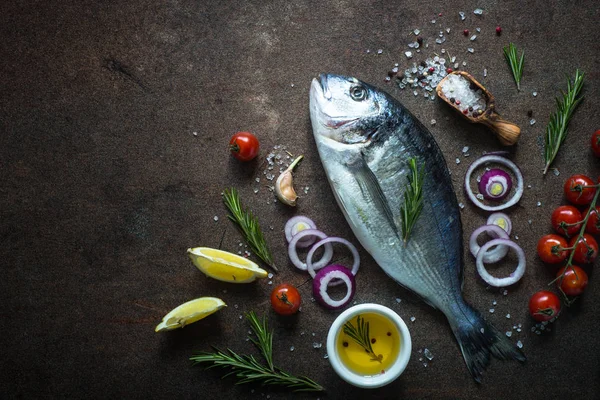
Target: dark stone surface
(104,186)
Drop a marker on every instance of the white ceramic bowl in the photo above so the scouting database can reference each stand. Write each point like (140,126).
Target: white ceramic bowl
(393,371)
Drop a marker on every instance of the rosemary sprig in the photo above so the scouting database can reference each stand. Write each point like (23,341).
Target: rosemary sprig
(248,370)
(515,63)
(249,226)
(413,199)
(360,334)
(556,131)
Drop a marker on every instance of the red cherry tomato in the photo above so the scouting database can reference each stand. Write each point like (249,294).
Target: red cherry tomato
(574,280)
(285,299)
(244,146)
(550,249)
(565,220)
(596,143)
(576,192)
(593,223)
(544,305)
(586,250)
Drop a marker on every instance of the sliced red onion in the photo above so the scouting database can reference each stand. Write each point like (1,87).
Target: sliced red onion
(500,219)
(491,256)
(297,224)
(513,277)
(327,241)
(500,160)
(495,184)
(322,282)
(325,258)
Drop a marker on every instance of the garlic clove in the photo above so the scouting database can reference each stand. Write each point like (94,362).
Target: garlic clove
(284,186)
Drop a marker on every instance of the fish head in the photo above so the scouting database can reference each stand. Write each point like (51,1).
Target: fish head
(347,110)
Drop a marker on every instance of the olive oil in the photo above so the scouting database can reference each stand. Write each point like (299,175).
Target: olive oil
(385,342)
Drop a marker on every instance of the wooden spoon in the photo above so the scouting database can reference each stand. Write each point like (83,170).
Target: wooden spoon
(507,132)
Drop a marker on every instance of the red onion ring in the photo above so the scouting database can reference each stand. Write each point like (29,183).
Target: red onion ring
(513,277)
(493,220)
(312,268)
(322,282)
(493,255)
(293,254)
(500,160)
(495,176)
(289,230)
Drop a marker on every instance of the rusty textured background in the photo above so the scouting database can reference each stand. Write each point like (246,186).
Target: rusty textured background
(104,185)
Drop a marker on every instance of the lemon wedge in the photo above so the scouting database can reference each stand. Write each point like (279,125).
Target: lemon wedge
(190,312)
(225,266)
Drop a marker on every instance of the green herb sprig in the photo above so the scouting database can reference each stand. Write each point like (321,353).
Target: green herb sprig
(360,334)
(413,199)
(248,370)
(249,226)
(556,131)
(515,62)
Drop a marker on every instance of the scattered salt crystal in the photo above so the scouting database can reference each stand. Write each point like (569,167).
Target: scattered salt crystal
(461,205)
(471,50)
(380,51)
(292,348)
(408,54)
(532,121)
(425,364)
(453,59)
(317,345)
(478,11)
(313,334)
(398,300)
(520,344)
(478,30)
(534,94)
(326,356)
(539,204)
(270,275)
(479,196)
(457,160)
(195,133)
(416,93)
(240,317)
(433,21)
(529,221)
(420,358)
(433,121)
(270,282)
(428,354)
(508,333)
(216,218)
(516,237)
(472,39)
(456,65)
(482,330)
(464,63)
(508,316)
(465,149)
(416,31)
(462,15)
(412,319)
(505,292)
(492,310)
(494,302)
(255,190)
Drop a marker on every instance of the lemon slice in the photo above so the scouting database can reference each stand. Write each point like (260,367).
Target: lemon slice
(225,266)
(190,312)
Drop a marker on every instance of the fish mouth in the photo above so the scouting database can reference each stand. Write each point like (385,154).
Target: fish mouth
(320,94)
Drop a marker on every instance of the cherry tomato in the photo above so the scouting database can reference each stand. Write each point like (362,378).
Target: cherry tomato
(575,191)
(586,250)
(574,280)
(593,223)
(544,305)
(565,220)
(244,146)
(285,299)
(550,249)
(596,143)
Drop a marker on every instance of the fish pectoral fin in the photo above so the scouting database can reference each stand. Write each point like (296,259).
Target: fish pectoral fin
(369,186)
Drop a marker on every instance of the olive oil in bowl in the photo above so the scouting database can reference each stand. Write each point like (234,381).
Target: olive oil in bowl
(369,345)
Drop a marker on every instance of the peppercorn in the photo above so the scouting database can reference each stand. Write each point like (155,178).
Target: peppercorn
(471,109)
(420,40)
(423,64)
(452,100)
(466,32)
(530,113)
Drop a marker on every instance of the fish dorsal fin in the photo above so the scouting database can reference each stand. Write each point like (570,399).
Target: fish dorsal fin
(369,186)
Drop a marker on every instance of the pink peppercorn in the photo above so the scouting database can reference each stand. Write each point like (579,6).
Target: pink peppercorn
(498,30)
(431,69)
(458,102)
(465,111)
(466,32)
(448,70)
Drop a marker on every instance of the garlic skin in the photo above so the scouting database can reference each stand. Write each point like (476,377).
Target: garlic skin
(284,186)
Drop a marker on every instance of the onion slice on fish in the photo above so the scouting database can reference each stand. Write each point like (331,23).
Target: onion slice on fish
(297,224)
(494,255)
(514,276)
(327,241)
(499,160)
(500,219)
(293,253)
(322,281)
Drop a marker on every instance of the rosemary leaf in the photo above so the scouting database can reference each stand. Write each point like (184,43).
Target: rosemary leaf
(360,334)
(413,199)
(248,370)
(515,62)
(249,226)
(556,131)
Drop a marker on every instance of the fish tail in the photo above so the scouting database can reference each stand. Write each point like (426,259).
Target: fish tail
(479,339)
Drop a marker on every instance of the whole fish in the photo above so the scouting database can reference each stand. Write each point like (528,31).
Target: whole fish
(365,139)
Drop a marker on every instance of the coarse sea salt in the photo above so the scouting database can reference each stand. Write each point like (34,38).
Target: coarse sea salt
(458,88)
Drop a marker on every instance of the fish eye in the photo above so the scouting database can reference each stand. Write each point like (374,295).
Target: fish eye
(358,93)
